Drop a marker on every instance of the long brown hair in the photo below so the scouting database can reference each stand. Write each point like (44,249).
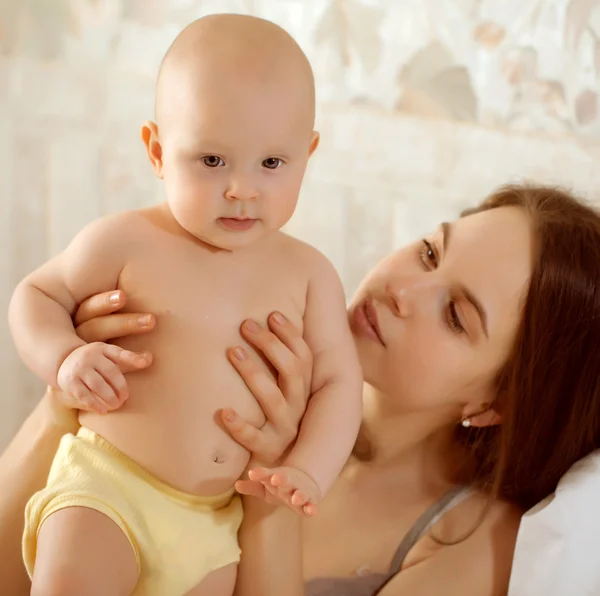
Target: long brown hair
(549,389)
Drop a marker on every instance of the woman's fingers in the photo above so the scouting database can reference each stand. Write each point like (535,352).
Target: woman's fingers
(293,371)
(242,432)
(276,352)
(291,336)
(264,389)
(112,326)
(99,306)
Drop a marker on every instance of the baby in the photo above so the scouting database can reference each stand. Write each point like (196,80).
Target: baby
(141,500)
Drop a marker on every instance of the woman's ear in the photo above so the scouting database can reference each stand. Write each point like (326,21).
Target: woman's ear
(153,147)
(488,418)
(482,419)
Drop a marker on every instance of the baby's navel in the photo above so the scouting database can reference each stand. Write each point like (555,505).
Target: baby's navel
(219,458)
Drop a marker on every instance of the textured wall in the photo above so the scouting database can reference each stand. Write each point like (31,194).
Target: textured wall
(424,106)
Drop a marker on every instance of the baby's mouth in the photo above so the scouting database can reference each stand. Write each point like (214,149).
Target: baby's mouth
(238,223)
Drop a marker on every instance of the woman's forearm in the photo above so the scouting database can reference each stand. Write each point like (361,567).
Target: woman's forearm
(24,468)
(271,542)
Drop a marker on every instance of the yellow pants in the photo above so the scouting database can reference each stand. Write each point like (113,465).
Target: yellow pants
(177,538)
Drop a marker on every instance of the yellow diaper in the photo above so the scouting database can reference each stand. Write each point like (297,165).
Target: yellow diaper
(177,538)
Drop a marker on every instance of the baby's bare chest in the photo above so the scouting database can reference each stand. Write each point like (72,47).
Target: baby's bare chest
(203,296)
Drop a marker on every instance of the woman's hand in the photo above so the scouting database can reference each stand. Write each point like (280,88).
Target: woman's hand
(97,320)
(283,402)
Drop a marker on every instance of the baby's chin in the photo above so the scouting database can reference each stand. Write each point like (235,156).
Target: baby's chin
(229,240)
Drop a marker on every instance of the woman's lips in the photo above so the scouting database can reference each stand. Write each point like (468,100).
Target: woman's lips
(363,319)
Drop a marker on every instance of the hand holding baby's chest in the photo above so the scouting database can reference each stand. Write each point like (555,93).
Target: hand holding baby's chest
(200,298)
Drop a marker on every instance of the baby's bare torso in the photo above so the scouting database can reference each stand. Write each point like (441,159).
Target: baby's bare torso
(170,424)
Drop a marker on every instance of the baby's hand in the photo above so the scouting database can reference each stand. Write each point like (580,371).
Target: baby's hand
(291,486)
(91,376)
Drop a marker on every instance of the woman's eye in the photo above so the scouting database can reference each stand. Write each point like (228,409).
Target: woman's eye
(272,163)
(212,161)
(428,255)
(454,319)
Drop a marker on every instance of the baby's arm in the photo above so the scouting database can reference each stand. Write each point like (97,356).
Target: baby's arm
(43,303)
(330,425)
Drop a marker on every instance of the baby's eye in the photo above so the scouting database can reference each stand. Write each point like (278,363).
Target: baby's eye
(212,161)
(272,163)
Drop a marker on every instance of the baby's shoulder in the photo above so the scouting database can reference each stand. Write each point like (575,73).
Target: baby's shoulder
(304,257)
(120,226)
(119,231)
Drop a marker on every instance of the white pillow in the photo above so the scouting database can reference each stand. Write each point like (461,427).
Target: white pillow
(558,545)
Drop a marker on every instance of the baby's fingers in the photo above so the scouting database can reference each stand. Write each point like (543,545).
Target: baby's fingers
(113,376)
(78,396)
(129,361)
(260,474)
(309,509)
(100,389)
(298,499)
(302,504)
(250,488)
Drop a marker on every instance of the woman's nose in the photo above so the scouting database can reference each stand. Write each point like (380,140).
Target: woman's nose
(411,294)
(398,294)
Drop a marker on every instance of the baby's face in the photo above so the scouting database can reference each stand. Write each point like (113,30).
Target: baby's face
(234,160)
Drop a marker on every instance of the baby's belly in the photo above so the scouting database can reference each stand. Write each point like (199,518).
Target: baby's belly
(171,424)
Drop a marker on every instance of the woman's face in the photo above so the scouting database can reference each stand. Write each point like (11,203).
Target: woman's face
(435,321)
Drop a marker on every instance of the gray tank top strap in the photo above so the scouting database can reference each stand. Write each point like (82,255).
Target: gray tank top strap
(424,523)
(373,583)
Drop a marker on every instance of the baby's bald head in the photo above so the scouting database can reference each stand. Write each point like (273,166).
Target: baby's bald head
(235,110)
(220,55)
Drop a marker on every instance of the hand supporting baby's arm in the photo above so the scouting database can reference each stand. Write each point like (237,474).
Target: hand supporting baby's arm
(42,305)
(330,425)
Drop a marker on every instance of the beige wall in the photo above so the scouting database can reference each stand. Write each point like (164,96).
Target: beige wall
(424,106)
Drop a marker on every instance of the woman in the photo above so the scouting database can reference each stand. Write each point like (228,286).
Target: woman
(479,346)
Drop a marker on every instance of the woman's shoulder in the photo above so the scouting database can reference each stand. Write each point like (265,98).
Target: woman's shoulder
(478,513)
(469,551)
(480,531)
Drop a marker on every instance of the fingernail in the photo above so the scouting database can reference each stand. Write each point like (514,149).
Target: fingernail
(144,320)
(252,326)
(230,417)
(278,318)
(240,353)
(114,298)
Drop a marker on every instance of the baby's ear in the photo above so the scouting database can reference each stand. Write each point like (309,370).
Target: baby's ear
(314,142)
(153,146)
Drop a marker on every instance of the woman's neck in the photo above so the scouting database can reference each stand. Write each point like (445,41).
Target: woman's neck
(417,445)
